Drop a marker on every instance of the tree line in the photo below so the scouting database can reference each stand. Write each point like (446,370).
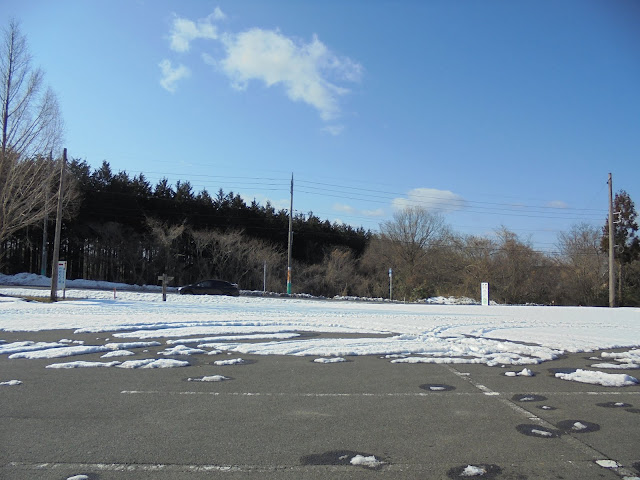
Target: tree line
(123,229)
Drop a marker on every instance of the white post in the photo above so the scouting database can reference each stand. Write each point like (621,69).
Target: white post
(390,285)
(484,288)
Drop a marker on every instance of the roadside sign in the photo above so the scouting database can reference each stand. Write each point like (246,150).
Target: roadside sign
(62,275)
(62,278)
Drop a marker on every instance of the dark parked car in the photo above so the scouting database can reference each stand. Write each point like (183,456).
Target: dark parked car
(210,287)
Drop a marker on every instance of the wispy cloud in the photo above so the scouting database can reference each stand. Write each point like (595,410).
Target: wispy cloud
(341,207)
(348,209)
(171,76)
(307,72)
(431,199)
(184,31)
(334,130)
(557,204)
(379,212)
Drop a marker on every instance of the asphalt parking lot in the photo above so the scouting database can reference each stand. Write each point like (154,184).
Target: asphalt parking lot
(290,418)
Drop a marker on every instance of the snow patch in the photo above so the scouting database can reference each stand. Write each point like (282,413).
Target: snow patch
(209,378)
(82,364)
(524,373)
(330,360)
(473,471)
(599,378)
(153,363)
(117,353)
(233,361)
(369,462)
(11,383)
(182,350)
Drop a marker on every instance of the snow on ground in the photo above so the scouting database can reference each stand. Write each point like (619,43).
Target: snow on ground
(369,461)
(524,373)
(11,383)
(209,378)
(473,471)
(330,360)
(232,361)
(83,364)
(599,378)
(442,332)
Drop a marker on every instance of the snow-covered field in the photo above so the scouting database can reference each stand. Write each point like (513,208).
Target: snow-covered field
(404,333)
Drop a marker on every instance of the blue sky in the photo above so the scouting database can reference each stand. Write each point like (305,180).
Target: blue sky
(491,113)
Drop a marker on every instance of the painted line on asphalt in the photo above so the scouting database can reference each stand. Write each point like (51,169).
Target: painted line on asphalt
(281,394)
(596,455)
(483,391)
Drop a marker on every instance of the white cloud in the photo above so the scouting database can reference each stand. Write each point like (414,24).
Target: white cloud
(304,70)
(557,204)
(171,76)
(431,199)
(340,207)
(379,212)
(334,130)
(184,31)
(349,210)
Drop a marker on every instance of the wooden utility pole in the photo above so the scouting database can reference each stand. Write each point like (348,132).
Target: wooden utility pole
(56,241)
(290,240)
(612,274)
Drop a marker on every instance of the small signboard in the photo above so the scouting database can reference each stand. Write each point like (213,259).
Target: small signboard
(484,287)
(62,275)
(62,278)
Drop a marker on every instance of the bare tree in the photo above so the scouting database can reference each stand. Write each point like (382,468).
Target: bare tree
(165,236)
(31,129)
(409,238)
(585,265)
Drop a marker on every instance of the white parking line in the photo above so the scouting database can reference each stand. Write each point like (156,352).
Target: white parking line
(483,391)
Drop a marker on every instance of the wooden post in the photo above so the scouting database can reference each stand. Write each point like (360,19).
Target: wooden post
(165,279)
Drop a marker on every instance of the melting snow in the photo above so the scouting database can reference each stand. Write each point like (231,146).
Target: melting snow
(370,461)
(473,471)
(599,378)
(209,378)
(233,361)
(11,383)
(330,360)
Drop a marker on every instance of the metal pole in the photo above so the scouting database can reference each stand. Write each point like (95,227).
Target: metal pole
(290,240)
(56,241)
(612,275)
(264,278)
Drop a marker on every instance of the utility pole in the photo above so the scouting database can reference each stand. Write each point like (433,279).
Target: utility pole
(612,275)
(56,241)
(290,240)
